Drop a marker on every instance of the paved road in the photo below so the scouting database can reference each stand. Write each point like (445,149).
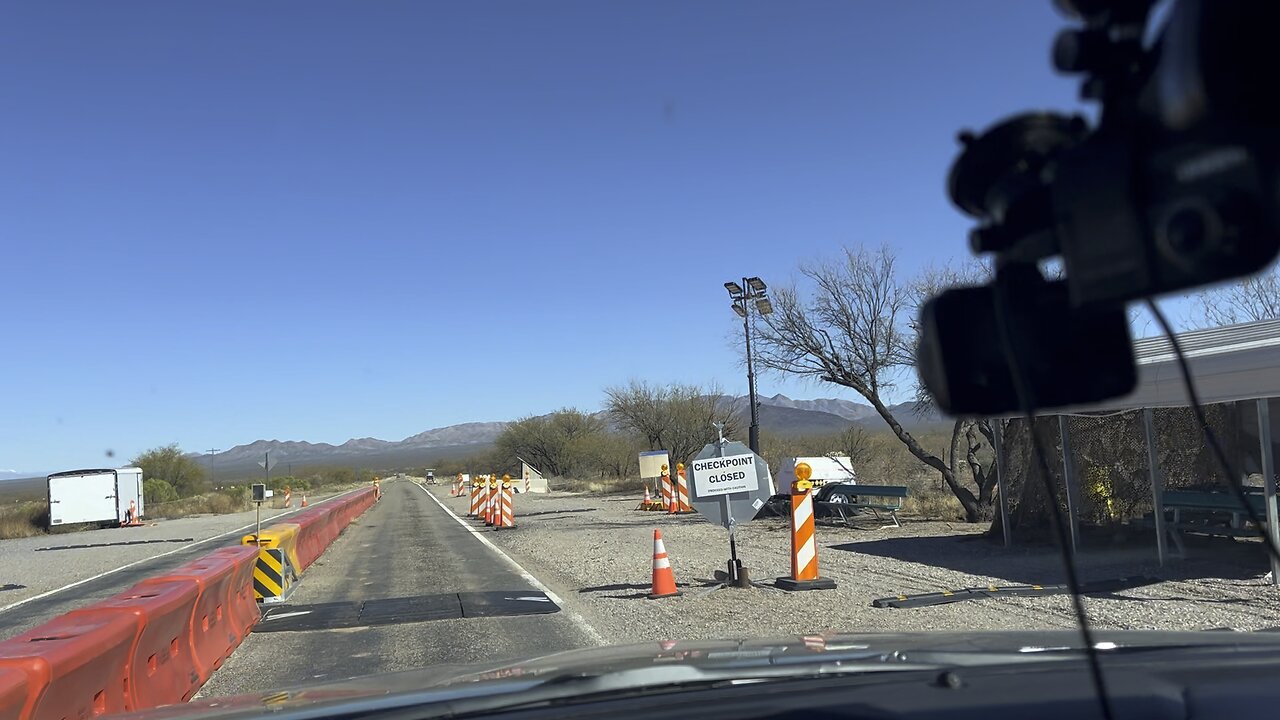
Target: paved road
(59,576)
(406,546)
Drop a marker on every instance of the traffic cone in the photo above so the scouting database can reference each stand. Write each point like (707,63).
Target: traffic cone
(648,499)
(304,499)
(664,580)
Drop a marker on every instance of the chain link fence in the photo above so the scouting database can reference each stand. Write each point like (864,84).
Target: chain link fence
(1109,461)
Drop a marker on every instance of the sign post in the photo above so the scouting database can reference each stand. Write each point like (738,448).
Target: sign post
(259,497)
(729,482)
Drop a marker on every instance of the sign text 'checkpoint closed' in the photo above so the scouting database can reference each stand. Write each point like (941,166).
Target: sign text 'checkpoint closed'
(724,475)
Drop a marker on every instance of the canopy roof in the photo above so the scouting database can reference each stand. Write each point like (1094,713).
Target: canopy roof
(1235,362)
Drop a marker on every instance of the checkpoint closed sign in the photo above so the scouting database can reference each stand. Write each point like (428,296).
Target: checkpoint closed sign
(724,475)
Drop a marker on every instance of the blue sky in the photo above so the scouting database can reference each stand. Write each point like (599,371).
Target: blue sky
(231,221)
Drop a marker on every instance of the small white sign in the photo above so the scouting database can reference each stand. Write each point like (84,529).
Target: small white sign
(724,475)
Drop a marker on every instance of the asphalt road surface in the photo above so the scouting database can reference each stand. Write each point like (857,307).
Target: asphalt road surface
(405,587)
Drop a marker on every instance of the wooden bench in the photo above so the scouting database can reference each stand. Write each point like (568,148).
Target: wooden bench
(856,498)
(1217,513)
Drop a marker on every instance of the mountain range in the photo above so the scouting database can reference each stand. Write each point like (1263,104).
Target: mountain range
(778,414)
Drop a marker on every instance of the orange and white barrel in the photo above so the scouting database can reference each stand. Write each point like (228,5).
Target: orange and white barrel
(682,490)
(804,544)
(506,510)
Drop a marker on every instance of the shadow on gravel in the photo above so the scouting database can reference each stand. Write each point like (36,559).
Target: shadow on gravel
(1216,558)
(557,512)
(628,586)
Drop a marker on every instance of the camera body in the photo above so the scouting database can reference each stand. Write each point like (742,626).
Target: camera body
(1174,188)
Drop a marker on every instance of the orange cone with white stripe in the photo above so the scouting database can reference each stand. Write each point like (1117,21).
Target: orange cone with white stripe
(475,498)
(804,546)
(304,498)
(682,490)
(647,501)
(664,579)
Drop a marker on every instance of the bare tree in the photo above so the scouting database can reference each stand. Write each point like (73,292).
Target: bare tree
(557,443)
(1251,299)
(677,418)
(856,331)
(855,442)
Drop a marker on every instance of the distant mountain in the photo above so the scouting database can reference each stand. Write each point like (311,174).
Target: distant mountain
(20,474)
(855,413)
(778,414)
(783,420)
(846,409)
(423,448)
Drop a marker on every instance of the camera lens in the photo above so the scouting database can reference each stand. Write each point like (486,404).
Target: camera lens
(1191,229)
(1186,231)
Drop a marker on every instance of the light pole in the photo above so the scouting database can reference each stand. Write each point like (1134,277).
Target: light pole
(751,289)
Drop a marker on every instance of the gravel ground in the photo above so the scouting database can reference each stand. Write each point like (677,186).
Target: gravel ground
(23,562)
(596,552)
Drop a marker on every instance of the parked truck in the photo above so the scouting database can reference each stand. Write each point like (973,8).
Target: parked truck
(95,496)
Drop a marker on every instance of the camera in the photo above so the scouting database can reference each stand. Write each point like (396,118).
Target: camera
(1174,187)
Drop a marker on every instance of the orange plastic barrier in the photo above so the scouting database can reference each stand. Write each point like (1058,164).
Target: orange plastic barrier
(75,667)
(243,607)
(212,634)
(13,693)
(162,668)
(320,525)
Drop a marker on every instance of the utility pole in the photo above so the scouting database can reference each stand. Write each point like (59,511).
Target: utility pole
(210,452)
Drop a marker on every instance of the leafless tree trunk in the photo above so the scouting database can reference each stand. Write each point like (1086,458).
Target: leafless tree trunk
(855,331)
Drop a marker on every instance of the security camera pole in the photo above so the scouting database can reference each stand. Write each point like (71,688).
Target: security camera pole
(752,288)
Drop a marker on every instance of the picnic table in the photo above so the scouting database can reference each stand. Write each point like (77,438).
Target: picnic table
(1217,513)
(845,500)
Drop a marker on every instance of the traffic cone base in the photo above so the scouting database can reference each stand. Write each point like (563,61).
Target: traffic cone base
(821,583)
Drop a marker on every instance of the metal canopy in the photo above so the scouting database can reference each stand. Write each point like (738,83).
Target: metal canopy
(1233,363)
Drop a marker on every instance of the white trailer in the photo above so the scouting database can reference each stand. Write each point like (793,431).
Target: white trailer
(825,470)
(94,496)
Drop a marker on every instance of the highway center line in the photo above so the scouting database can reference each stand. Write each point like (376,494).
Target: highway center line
(524,574)
(163,554)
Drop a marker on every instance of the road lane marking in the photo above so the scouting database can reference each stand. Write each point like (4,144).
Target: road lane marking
(282,616)
(577,619)
(113,571)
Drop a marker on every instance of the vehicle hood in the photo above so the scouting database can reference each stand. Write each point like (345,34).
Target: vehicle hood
(447,682)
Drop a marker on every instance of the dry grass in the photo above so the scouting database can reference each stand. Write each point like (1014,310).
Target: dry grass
(24,519)
(608,486)
(930,503)
(214,503)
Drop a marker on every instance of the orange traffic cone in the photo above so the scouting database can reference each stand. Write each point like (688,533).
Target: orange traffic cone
(304,499)
(648,499)
(664,580)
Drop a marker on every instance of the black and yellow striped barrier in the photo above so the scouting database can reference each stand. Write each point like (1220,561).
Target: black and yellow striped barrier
(272,576)
(950,596)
